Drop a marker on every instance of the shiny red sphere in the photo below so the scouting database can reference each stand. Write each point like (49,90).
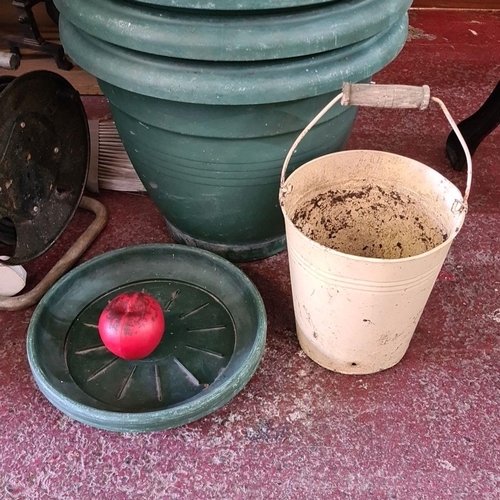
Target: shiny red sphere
(131,326)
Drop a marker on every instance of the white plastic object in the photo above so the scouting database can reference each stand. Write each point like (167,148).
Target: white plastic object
(9,60)
(12,279)
(357,314)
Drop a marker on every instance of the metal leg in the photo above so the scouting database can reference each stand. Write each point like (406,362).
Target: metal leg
(65,263)
(32,39)
(475,129)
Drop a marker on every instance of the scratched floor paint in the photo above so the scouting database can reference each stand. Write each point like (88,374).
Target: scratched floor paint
(426,429)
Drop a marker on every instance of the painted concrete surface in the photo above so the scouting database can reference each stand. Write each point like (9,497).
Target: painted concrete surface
(425,429)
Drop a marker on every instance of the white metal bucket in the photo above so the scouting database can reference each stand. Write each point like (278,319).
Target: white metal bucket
(367,235)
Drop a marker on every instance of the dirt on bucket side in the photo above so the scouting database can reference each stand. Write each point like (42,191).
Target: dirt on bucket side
(370,221)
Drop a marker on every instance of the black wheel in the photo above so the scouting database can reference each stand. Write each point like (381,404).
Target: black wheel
(5,80)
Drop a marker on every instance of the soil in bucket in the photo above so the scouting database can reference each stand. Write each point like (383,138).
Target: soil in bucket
(371,221)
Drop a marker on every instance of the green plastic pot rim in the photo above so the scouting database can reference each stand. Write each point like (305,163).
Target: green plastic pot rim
(232,83)
(240,122)
(231,5)
(180,413)
(215,37)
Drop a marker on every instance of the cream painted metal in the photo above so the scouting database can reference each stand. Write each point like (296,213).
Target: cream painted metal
(356,314)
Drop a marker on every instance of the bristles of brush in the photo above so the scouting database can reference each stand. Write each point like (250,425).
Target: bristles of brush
(115,169)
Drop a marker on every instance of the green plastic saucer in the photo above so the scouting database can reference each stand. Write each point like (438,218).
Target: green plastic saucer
(213,342)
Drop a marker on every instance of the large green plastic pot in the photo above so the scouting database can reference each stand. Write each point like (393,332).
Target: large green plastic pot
(208,140)
(222,37)
(219,191)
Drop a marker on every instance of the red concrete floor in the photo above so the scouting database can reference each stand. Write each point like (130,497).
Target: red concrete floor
(425,429)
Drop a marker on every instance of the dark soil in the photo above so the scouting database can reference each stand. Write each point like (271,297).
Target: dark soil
(370,222)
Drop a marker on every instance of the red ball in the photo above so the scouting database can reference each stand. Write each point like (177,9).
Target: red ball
(131,326)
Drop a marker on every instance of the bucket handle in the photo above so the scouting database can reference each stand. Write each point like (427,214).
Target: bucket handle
(386,96)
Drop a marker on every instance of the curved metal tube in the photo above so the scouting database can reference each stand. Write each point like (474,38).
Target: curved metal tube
(65,263)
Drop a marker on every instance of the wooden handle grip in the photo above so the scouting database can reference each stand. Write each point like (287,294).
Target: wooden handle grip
(386,96)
